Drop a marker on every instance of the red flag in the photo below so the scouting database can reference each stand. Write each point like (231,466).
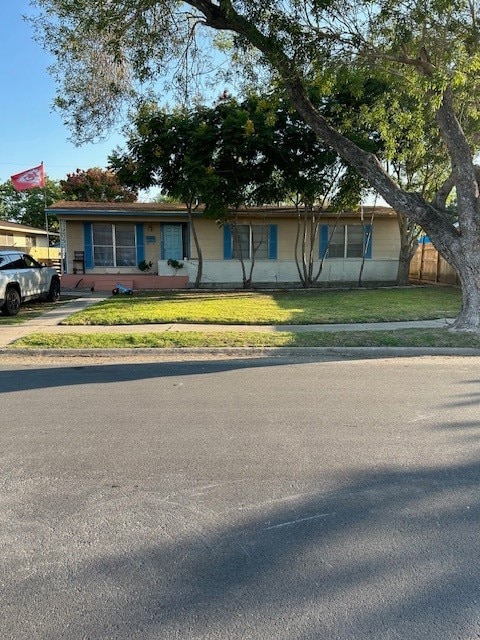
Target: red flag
(29,179)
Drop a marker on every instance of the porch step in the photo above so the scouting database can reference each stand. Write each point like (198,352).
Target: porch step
(108,282)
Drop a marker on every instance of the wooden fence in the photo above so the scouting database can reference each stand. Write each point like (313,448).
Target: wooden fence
(427,265)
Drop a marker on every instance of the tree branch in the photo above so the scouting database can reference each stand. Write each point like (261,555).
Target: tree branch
(460,153)
(224,17)
(440,199)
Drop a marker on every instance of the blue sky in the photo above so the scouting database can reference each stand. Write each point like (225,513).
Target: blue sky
(29,131)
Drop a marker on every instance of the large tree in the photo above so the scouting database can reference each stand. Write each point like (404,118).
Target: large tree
(173,151)
(233,155)
(431,47)
(218,156)
(96,185)
(312,176)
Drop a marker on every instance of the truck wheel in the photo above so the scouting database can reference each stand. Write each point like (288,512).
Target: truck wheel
(54,292)
(11,306)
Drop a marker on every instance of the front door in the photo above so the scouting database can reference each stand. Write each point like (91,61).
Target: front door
(172,243)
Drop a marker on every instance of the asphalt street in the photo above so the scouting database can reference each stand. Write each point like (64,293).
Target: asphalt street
(273,498)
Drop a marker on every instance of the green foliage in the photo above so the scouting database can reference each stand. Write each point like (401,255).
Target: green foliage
(28,206)
(175,264)
(96,185)
(170,150)
(105,51)
(235,153)
(145,266)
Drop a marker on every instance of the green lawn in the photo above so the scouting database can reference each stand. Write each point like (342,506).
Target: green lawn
(185,339)
(299,307)
(248,308)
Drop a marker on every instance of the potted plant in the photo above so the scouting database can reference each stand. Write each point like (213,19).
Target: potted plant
(175,264)
(145,266)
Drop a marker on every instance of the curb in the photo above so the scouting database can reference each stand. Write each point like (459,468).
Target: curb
(250,352)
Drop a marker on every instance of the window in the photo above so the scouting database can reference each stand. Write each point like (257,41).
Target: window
(31,263)
(6,239)
(12,261)
(252,240)
(6,262)
(114,245)
(346,241)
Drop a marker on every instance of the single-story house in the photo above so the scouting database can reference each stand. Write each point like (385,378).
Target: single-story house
(27,239)
(106,242)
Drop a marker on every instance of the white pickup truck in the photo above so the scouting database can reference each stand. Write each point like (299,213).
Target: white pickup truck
(22,278)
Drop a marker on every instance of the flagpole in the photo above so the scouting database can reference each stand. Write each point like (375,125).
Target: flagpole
(31,179)
(45,213)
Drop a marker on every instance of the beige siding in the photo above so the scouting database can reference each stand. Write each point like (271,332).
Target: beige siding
(75,242)
(152,249)
(210,239)
(386,238)
(18,239)
(385,249)
(286,234)
(386,242)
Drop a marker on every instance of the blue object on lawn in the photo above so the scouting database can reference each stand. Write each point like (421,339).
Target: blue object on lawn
(120,288)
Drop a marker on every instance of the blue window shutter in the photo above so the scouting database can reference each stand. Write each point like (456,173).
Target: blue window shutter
(88,245)
(272,241)
(162,243)
(323,240)
(140,242)
(367,231)
(227,242)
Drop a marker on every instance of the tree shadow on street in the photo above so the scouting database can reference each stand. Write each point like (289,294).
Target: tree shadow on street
(44,377)
(387,554)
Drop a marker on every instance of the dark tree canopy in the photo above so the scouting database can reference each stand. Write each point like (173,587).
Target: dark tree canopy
(96,185)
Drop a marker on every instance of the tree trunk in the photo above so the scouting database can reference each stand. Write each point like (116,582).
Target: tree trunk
(430,216)
(468,268)
(198,277)
(407,251)
(403,272)
(409,233)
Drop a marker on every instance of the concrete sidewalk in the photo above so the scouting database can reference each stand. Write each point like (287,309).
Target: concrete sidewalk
(50,321)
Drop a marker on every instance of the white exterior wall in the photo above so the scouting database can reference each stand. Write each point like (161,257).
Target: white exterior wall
(285,271)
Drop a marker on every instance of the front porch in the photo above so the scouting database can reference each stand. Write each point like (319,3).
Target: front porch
(106,282)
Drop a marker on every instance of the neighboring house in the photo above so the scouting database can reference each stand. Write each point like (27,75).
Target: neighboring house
(27,239)
(104,242)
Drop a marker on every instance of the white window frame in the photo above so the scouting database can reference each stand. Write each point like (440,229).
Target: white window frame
(251,240)
(345,228)
(114,246)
